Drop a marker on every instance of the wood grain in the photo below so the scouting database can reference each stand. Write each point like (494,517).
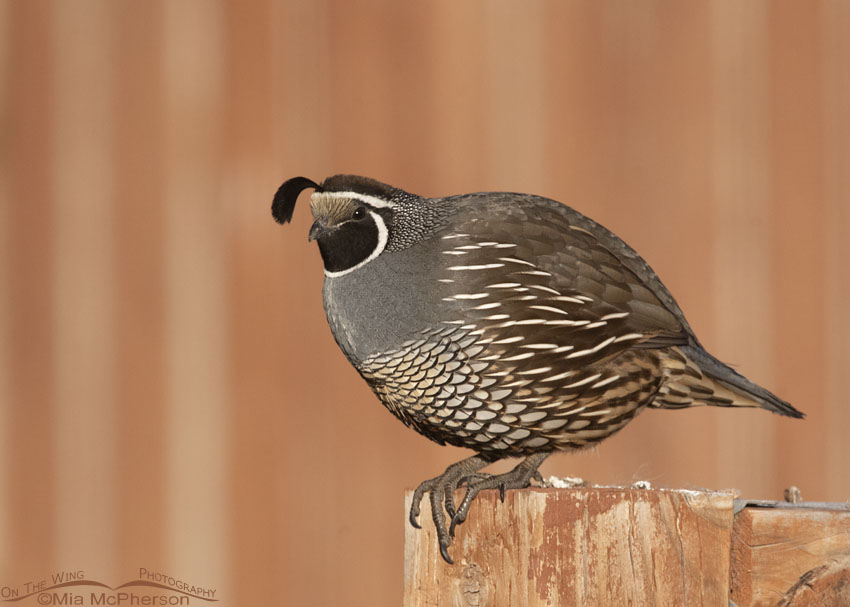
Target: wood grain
(578,547)
(774,549)
(826,586)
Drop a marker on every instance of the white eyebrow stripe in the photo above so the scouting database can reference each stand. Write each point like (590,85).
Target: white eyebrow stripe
(370,200)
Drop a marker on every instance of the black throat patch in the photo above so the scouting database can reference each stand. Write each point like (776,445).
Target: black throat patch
(349,244)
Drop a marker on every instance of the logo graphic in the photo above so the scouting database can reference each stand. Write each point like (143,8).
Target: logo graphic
(74,588)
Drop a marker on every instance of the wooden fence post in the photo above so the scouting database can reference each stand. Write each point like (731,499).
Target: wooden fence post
(625,546)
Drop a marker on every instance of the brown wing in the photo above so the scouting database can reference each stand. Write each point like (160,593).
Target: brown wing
(544,272)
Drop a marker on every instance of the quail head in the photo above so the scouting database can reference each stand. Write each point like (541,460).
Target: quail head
(506,323)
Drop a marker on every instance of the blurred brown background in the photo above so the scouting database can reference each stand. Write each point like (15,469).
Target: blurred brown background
(171,395)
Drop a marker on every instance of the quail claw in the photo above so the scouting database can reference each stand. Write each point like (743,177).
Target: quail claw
(441,496)
(444,552)
(450,503)
(414,507)
(457,519)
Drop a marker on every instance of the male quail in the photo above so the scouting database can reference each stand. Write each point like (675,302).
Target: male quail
(506,323)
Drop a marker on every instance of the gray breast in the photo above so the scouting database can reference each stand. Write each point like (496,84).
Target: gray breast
(385,303)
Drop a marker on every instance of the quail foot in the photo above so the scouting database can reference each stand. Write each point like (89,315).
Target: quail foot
(509,324)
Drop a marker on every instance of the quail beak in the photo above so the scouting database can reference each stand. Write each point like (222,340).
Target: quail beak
(317,230)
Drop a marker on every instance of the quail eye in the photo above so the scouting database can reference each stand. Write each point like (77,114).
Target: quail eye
(359,213)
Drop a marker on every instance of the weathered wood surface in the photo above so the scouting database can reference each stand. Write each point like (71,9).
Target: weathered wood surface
(583,546)
(791,557)
(824,586)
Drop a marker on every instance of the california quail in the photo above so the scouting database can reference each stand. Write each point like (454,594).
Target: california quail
(506,323)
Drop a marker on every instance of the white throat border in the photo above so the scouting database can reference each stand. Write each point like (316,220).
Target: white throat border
(383,237)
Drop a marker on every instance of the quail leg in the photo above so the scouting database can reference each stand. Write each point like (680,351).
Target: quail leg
(518,478)
(441,493)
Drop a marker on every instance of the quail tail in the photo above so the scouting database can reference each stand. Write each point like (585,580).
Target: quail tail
(695,377)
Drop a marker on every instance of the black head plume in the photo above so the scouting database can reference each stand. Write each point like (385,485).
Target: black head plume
(284,200)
